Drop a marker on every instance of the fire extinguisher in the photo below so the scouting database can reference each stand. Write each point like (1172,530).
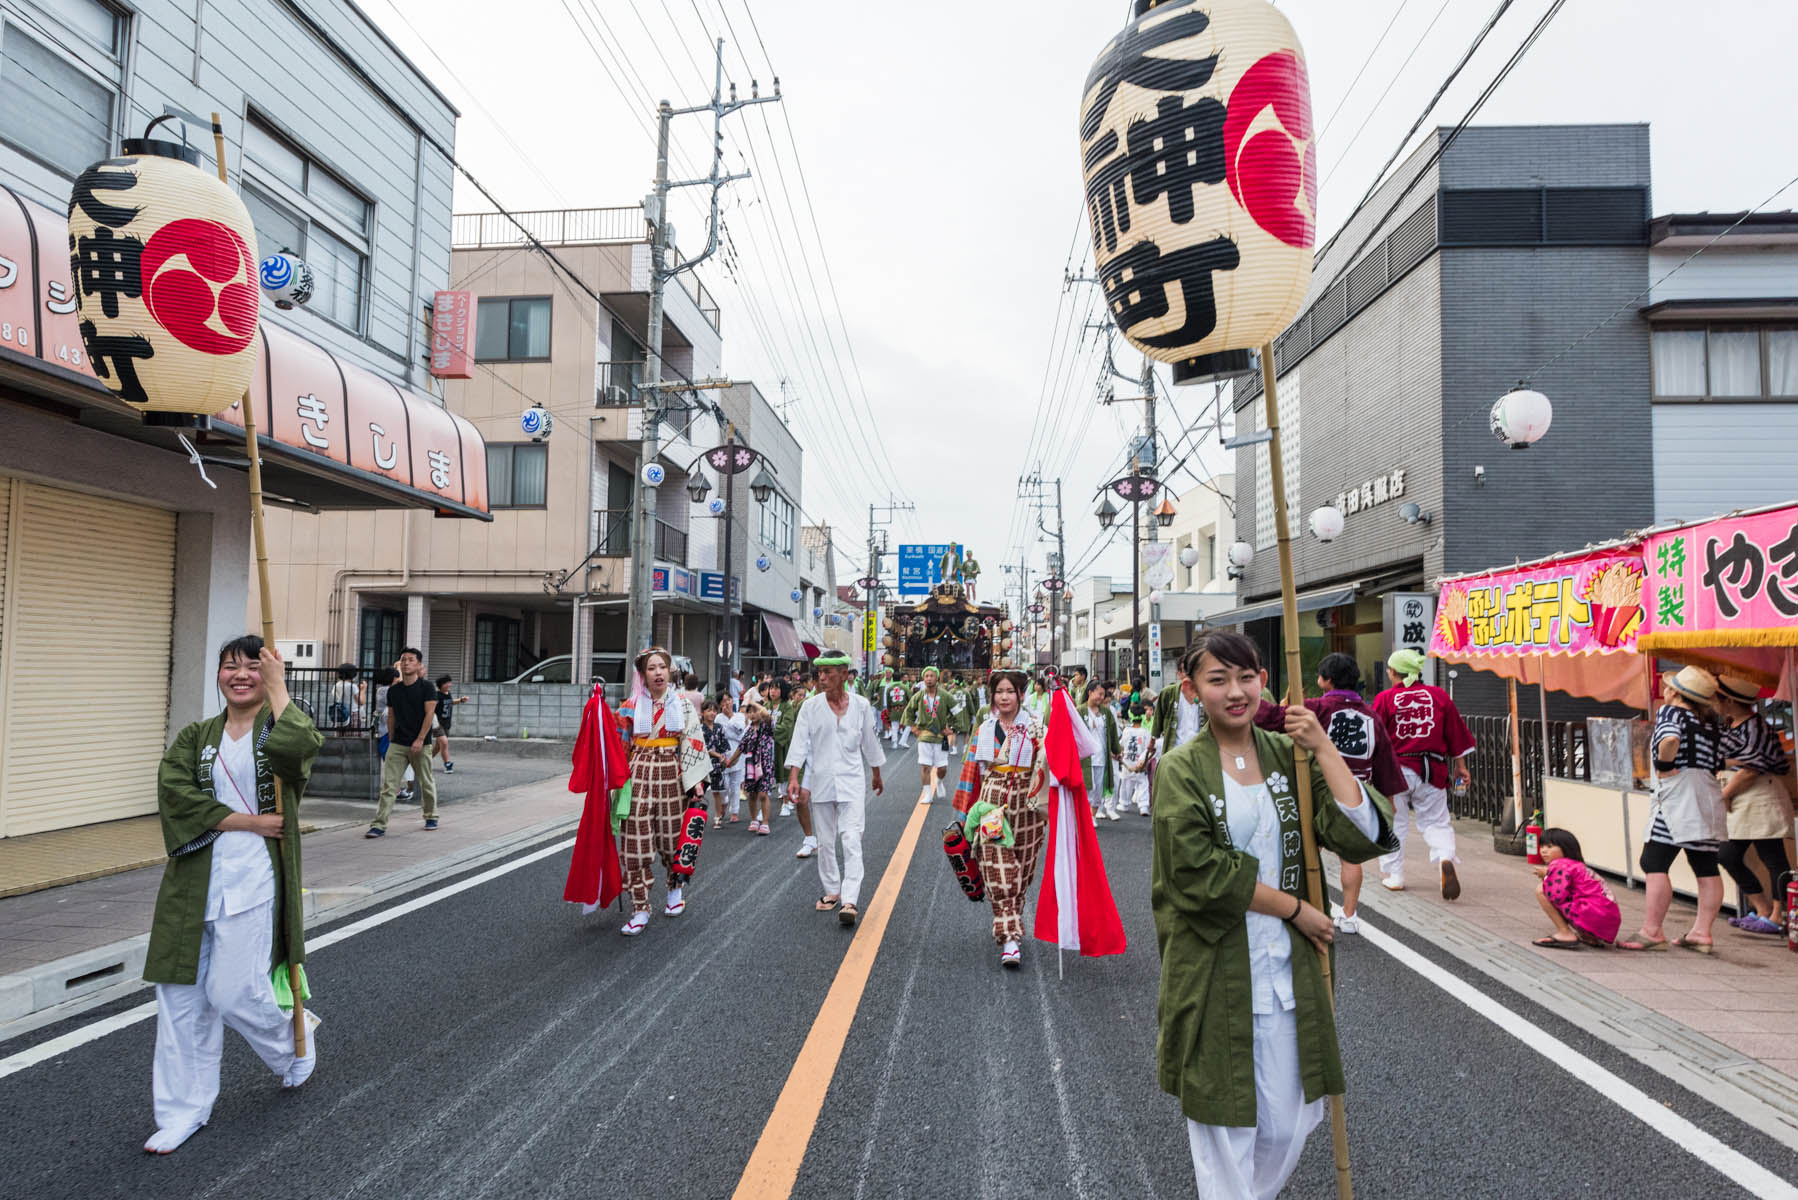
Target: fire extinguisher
(1791,878)
(1532,839)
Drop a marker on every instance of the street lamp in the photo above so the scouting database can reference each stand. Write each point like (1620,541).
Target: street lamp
(729,460)
(1107,513)
(1164,513)
(1138,488)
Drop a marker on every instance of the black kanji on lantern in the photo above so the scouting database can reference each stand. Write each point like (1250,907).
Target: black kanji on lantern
(1782,585)
(1131,63)
(114,355)
(107,266)
(1740,568)
(1170,154)
(98,179)
(1137,283)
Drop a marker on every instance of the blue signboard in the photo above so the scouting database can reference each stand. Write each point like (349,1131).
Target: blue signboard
(921,568)
(711,586)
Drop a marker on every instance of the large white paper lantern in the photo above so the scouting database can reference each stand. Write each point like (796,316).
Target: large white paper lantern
(1241,554)
(1326,523)
(1521,417)
(163,257)
(1201,178)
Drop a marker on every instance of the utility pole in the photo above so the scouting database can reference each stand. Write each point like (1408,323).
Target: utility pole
(1034,488)
(640,616)
(875,548)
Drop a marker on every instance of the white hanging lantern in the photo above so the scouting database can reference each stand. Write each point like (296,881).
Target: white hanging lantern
(1155,596)
(1189,556)
(715,506)
(795,595)
(762,563)
(285,279)
(1326,523)
(654,474)
(1520,417)
(1241,554)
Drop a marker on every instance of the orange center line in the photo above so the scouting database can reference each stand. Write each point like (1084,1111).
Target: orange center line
(774,1165)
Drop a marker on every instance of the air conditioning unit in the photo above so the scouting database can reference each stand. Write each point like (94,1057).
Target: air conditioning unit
(297,653)
(617,396)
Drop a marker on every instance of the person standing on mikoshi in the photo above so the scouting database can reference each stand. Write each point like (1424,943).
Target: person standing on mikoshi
(1247,1041)
(927,714)
(1356,731)
(834,740)
(1108,746)
(669,770)
(1007,821)
(228,917)
(1428,735)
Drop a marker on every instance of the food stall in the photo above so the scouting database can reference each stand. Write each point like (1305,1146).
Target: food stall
(1572,621)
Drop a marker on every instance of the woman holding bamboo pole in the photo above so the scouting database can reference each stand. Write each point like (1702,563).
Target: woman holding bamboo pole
(1240,979)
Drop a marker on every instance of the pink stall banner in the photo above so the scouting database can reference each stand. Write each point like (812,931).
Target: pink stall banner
(1728,582)
(1587,604)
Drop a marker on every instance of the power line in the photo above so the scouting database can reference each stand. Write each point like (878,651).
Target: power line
(1390,84)
(1365,63)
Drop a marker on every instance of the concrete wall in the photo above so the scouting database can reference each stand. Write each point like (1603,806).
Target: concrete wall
(509,710)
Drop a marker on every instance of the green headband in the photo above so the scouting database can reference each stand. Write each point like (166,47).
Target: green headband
(834,658)
(1407,664)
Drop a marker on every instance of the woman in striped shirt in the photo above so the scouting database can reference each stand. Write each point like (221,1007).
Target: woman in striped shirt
(1760,809)
(1688,810)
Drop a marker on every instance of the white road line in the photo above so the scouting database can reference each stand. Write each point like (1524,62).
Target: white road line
(43,1051)
(1731,1164)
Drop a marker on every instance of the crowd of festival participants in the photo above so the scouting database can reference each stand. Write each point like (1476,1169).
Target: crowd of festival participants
(1042,760)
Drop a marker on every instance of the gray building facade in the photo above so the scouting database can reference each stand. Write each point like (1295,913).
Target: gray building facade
(1462,277)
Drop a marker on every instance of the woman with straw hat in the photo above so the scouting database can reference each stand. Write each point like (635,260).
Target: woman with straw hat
(1688,813)
(1756,774)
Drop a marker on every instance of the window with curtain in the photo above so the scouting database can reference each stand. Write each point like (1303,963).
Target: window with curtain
(512,329)
(1782,362)
(517,474)
(1679,362)
(1735,357)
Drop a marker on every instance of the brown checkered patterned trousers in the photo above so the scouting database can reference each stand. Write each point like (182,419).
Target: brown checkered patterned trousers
(653,828)
(1009,870)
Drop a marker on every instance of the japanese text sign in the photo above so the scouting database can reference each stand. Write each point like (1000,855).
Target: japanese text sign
(1734,574)
(452,335)
(920,567)
(1585,605)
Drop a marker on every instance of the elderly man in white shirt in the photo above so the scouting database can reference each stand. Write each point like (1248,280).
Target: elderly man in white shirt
(836,737)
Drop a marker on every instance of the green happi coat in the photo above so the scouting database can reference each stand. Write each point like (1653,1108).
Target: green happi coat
(784,717)
(1200,888)
(190,812)
(962,703)
(1164,726)
(931,727)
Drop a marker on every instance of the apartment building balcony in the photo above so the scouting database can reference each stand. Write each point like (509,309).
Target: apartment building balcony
(611,533)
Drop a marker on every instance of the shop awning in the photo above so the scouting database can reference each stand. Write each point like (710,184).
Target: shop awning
(1310,601)
(811,650)
(337,436)
(784,636)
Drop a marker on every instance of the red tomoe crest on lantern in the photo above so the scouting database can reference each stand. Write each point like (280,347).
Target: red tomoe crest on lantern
(164,262)
(1201,176)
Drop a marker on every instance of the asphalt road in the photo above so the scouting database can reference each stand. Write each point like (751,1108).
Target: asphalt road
(498,1043)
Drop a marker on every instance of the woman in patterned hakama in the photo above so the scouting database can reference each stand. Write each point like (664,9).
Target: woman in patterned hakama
(669,770)
(1009,820)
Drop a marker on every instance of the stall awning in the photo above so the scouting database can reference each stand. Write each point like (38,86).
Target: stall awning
(784,636)
(336,437)
(1310,601)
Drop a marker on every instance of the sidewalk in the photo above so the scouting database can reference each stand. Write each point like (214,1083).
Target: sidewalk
(1725,1025)
(66,944)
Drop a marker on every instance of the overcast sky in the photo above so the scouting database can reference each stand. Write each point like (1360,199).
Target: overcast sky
(938,144)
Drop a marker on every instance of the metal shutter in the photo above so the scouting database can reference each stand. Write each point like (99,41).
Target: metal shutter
(85,686)
(445,649)
(1598,216)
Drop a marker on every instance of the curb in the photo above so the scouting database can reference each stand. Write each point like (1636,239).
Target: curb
(68,986)
(1719,1074)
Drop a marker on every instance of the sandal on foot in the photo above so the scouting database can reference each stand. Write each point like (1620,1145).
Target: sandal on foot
(1686,943)
(847,916)
(637,924)
(1555,943)
(1641,941)
(826,903)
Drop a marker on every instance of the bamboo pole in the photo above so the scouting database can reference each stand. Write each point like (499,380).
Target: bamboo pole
(254,452)
(1516,757)
(1295,695)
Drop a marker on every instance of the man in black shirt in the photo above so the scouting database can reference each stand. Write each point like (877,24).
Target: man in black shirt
(411,706)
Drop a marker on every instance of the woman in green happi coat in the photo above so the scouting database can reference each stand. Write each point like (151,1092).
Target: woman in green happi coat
(228,917)
(1247,1041)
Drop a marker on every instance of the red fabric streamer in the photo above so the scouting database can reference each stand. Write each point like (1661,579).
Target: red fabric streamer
(1096,927)
(601,766)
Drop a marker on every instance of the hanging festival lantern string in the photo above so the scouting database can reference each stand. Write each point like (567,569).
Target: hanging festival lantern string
(1199,274)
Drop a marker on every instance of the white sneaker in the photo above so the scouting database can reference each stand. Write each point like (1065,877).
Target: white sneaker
(1011,956)
(1348,924)
(926,796)
(807,848)
(786,808)
(1393,883)
(637,924)
(676,903)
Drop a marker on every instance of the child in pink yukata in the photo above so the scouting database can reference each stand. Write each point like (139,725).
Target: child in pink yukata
(1575,899)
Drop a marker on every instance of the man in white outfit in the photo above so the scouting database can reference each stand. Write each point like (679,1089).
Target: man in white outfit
(734,725)
(1133,780)
(834,739)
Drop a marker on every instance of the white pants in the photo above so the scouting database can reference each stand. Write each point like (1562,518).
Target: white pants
(905,735)
(1133,786)
(733,787)
(1429,804)
(232,988)
(933,754)
(1095,780)
(829,820)
(1239,1163)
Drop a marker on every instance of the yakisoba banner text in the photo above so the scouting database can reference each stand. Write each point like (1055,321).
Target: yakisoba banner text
(1583,605)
